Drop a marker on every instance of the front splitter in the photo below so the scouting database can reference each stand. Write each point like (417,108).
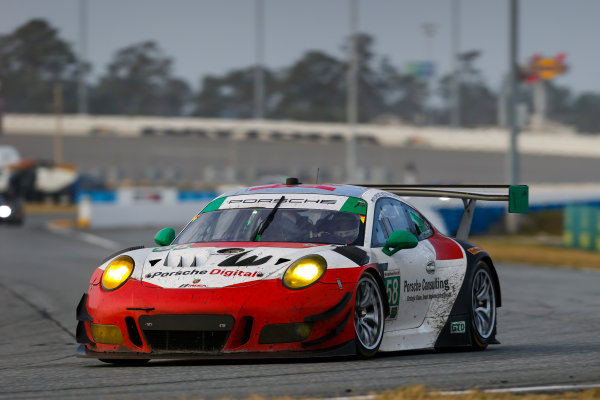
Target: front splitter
(344,349)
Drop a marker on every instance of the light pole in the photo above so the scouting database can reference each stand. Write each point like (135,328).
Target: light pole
(352,93)
(429,30)
(455,108)
(512,166)
(81,81)
(259,76)
(513,156)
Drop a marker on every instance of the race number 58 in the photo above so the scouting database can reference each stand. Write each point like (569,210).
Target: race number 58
(392,288)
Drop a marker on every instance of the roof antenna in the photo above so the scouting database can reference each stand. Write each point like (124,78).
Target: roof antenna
(317,181)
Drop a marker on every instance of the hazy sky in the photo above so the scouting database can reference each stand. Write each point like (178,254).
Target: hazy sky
(214,36)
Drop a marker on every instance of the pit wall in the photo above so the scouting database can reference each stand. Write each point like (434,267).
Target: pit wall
(138,207)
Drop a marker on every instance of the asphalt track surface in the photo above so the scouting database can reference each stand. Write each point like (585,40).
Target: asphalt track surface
(138,157)
(548,327)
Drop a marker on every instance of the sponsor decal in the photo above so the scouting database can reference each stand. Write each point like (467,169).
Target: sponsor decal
(475,250)
(173,247)
(392,288)
(424,290)
(238,261)
(237,272)
(457,327)
(175,273)
(191,285)
(314,201)
(379,195)
(256,201)
(234,250)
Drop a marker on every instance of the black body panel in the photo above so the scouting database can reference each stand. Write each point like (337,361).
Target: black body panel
(461,312)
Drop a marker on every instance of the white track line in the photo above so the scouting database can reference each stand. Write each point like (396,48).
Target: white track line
(86,237)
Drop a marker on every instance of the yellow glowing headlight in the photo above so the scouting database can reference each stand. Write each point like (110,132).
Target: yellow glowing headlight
(117,272)
(304,272)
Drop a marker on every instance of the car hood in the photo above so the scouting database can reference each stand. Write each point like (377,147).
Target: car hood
(232,264)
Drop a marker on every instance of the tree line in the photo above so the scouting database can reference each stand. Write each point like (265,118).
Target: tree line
(139,80)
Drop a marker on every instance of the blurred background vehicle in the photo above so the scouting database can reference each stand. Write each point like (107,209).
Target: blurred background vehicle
(11,210)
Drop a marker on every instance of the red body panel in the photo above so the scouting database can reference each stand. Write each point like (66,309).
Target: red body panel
(267,302)
(445,248)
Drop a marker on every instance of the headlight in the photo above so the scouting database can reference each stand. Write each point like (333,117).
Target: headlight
(5,211)
(117,272)
(304,272)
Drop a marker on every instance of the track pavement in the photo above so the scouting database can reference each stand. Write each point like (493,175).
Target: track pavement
(548,327)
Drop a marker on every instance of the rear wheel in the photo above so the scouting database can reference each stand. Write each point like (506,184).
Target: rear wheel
(369,316)
(483,307)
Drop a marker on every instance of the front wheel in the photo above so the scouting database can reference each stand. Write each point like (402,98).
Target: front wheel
(483,307)
(369,318)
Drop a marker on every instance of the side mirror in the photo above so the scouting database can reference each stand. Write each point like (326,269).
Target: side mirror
(164,237)
(399,240)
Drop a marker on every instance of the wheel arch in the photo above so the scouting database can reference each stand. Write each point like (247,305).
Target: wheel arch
(377,274)
(461,307)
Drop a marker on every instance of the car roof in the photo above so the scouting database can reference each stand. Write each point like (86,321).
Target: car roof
(326,188)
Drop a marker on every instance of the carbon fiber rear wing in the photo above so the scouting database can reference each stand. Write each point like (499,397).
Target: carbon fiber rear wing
(517,197)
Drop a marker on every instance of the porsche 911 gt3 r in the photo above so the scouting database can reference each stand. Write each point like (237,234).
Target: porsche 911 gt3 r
(290,270)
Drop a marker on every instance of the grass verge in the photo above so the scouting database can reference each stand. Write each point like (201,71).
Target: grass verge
(530,250)
(421,393)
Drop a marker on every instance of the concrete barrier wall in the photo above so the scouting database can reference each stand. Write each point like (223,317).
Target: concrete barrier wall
(563,142)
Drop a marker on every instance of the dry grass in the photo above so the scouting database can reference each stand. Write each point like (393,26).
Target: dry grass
(421,393)
(41,208)
(529,250)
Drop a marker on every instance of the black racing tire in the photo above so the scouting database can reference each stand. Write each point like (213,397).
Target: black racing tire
(131,362)
(369,316)
(482,306)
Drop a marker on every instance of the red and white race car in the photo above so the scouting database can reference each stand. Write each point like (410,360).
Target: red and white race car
(291,270)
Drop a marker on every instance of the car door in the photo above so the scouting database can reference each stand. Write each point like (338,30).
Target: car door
(406,270)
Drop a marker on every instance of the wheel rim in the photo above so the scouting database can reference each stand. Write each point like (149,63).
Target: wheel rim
(484,304)
(368,314)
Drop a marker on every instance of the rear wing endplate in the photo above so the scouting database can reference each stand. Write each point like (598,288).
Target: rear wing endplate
(517,197)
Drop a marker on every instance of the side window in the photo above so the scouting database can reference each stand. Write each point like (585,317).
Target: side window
(389,217)
(421,228)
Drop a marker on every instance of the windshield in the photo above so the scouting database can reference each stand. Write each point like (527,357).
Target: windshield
(288,225)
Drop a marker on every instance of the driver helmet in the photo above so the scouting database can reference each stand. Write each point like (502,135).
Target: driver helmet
(345,225)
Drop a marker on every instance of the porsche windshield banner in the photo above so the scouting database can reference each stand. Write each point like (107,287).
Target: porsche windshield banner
(321,202)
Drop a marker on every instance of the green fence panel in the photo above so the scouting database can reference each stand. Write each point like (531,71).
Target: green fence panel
(581,227)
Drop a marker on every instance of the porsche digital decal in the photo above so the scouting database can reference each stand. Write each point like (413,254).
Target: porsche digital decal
(424,290)
(237,272)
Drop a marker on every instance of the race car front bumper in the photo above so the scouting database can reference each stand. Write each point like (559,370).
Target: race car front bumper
(265,318)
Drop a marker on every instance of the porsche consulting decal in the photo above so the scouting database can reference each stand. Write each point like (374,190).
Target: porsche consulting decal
(436,289)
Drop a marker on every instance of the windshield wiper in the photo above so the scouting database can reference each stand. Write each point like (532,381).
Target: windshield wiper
(263,227)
